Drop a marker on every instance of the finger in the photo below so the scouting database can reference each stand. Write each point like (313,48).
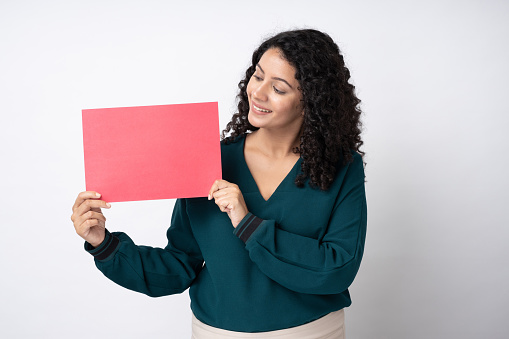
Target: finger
(225,203)
(224,191)
(223,207)
(223,198)
(94,205)
(84,196)
(228,208)
(213,188)
(217,185)
(84,228)
(94,215)
(90,215)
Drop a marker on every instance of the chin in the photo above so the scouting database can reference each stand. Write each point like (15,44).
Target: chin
(252,120)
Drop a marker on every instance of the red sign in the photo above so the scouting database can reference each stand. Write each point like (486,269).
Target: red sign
(152,152)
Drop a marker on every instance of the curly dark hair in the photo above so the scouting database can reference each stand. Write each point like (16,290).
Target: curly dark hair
(332,128)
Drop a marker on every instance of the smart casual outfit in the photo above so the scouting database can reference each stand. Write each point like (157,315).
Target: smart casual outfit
(288,263)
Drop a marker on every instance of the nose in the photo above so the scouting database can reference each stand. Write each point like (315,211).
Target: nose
(260,91)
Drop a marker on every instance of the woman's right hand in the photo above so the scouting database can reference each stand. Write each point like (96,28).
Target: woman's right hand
(89,222)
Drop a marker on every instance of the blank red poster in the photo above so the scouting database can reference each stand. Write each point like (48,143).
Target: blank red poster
(152,152)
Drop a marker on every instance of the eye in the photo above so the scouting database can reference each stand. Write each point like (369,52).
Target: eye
(278,91)
(257,77)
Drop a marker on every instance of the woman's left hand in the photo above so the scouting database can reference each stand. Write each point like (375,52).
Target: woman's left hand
(229,199)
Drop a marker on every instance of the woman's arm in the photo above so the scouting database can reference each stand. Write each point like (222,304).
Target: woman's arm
(308,265)
(152,271)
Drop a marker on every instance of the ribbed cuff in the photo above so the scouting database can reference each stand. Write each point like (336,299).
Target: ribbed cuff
(106,249)
(247,226)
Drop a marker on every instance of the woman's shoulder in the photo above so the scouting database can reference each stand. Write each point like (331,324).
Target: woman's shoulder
(352,168)
(233,140)
(233,144)
(355,159)
(232,148)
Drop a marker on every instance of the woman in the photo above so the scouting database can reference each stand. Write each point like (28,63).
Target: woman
(274,253)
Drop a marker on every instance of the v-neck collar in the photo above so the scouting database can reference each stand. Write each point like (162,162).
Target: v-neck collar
(255,187)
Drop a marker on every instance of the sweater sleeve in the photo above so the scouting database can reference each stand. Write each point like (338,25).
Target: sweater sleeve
(308,265)
(152,271)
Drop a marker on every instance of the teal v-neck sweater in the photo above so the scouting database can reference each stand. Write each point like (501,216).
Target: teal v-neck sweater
(289,261)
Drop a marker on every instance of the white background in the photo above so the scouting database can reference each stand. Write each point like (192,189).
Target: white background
(433,78)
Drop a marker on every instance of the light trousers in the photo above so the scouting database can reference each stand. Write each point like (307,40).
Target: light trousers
(330,326)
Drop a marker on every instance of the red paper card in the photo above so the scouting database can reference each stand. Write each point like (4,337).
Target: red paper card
(152,152)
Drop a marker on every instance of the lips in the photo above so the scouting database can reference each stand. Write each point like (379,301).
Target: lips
(260,109)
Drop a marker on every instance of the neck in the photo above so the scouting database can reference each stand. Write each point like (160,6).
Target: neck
(276,145)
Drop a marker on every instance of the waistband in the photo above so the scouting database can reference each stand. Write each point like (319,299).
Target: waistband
(330,326)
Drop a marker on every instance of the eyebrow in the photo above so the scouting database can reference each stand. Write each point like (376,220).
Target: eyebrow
(275,78)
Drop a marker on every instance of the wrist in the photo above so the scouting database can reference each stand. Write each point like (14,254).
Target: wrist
(239,218)
(106,249)
(96,244)
(97,239)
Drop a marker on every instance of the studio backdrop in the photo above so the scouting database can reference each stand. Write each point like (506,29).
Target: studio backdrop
(432,77)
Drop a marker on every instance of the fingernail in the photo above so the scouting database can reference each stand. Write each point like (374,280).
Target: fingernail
(108,205)
(97,195)
(210,197)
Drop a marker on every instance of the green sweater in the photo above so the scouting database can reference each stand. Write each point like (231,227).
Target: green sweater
(290,261)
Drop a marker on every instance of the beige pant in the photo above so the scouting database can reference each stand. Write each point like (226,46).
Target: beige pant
(331,326)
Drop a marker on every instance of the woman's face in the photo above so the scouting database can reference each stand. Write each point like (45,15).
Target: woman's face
(274,95)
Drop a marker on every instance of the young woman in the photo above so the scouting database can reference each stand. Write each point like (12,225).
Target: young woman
(273,249)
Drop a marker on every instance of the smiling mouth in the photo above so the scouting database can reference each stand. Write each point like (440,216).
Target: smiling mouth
(261,109)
